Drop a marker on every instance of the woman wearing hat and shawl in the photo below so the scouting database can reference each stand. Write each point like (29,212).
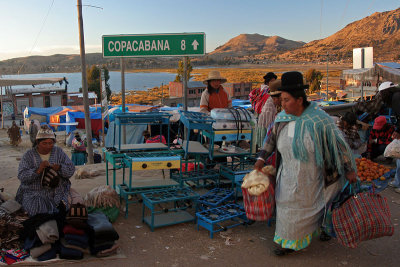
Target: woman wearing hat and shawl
(33,194)
(268,113)
(307,142)
(78,153)
(215,96)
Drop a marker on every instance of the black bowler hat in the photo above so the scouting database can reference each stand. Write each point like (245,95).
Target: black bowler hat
(292,81)
(269,76)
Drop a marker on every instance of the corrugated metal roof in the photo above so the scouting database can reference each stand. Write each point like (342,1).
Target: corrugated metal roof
(392,65)
(28,81)
(90,95)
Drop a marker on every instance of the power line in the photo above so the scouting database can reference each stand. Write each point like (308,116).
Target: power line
(320,20)
(344,13)
(37,37)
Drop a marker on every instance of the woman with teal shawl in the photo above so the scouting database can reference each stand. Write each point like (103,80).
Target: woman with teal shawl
(308,143)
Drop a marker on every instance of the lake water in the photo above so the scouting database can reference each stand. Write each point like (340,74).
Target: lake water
(133,81)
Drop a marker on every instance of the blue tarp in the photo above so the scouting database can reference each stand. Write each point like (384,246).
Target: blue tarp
(43,111)
(112,113)
(71,116)
(240,102)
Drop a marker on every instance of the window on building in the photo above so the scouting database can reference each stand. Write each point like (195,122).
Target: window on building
(247,89)
(200,90)
(47,101)
(237,90)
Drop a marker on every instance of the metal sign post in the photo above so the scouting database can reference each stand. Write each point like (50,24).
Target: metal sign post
(185,69)
(103,102)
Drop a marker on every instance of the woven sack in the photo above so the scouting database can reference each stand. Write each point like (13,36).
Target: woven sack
(261,207)
(361,217)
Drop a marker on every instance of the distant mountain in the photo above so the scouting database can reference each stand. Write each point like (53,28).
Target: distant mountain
(254,44)
(381,30)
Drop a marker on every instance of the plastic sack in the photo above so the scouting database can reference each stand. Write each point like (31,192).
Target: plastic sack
(393,149)
(259,194)
(231,114)
(257,182)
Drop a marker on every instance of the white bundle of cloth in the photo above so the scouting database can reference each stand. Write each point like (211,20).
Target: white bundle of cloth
(257,182)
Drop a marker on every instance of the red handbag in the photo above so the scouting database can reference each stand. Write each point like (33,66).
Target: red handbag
(259,208)
(363,216)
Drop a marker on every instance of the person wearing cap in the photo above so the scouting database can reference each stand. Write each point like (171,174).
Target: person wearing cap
(307,144)
(379,137)
(215,96)
(348,125)
(78,153)
(34,197)
(33,130)
(268,112)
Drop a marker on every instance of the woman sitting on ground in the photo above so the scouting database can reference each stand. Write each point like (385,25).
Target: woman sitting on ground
(44,172)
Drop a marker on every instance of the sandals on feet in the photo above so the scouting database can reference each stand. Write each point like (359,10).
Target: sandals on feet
(283,251)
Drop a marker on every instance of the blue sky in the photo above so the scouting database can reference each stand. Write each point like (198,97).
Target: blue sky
(26,29)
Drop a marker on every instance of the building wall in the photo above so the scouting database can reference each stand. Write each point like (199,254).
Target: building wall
(235,90)
(28,99)
(238,90)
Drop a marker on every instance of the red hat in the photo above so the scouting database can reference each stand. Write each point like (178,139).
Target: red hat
(379,123)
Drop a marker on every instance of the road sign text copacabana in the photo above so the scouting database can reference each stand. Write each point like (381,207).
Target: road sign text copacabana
(185,44)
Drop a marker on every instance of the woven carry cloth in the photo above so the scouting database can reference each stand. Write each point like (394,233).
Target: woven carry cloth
(261,207)
(363,216)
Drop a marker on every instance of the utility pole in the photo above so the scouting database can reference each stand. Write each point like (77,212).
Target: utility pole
(2,113)
(88,125)
(162,94)
(327,76)
(185,70)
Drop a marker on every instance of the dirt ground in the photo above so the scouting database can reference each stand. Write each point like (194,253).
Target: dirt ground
(184,245)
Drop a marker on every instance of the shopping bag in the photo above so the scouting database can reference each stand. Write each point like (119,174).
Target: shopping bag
(393,149)
(361,216)
(259,208)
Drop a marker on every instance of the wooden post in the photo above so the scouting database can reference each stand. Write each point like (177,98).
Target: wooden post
(88,125)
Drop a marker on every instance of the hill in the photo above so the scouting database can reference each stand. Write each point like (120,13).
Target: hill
(254,44)
(381,30)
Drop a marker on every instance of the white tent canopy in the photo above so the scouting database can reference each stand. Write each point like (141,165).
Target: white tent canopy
(29,81)
(388,71)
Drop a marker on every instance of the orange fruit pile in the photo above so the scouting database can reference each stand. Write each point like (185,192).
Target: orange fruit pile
(368,170)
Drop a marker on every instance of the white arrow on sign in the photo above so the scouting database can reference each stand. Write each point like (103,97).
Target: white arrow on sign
(195,44)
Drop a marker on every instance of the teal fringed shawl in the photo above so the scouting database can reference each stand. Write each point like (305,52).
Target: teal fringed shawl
(330,146)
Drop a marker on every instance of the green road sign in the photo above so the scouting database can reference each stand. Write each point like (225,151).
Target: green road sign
(150,45)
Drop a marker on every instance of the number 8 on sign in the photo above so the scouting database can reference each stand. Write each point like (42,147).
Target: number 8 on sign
(183,45)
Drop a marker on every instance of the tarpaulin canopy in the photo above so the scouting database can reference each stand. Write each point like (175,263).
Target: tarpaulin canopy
(387,71)
(95,119)
(29,81)
(138,108)
(42,111)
